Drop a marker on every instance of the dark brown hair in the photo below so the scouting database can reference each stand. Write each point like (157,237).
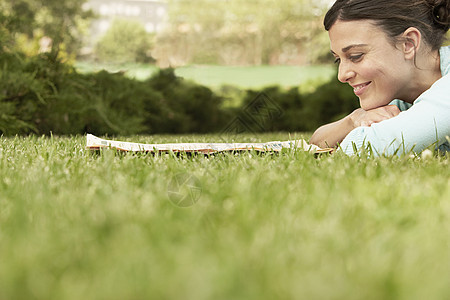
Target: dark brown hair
(430,17)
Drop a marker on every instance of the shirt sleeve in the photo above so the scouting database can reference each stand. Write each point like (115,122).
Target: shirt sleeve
(426,123)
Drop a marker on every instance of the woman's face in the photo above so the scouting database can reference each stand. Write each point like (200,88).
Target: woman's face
(369,62)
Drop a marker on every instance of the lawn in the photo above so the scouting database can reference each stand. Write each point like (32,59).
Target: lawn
(79,225)
(216,76)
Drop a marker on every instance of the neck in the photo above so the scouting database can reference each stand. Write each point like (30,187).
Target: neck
(425,72)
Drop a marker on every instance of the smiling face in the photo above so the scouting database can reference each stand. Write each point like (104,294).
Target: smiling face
(370,63)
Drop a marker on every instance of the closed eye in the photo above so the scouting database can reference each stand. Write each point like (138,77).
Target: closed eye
(337,60)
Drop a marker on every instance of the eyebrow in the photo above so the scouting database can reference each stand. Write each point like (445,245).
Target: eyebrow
(346,49)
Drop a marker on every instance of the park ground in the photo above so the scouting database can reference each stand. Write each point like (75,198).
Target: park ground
(82,225)
(216,76)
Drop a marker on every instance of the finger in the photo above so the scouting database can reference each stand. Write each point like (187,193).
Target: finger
(367,123)
(378,117)
(385,114)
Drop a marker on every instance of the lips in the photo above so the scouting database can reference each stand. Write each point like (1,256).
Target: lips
(359,89)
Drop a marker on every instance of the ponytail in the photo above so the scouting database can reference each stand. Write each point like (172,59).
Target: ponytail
(440,13)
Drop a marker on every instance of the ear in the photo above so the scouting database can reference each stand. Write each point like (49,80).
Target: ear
(411,42)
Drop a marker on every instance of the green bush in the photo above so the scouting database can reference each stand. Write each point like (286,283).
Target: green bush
(194,108)
(303,112)
(125,41)
(22,96)
(42,95)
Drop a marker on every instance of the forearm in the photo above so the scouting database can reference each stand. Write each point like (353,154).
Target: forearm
(330,135)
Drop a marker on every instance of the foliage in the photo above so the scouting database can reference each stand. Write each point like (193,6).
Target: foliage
(25,22)
(43,95)
(330,101)
(75,225)
(23,94)
(125,41)
(40,95)
(194,108)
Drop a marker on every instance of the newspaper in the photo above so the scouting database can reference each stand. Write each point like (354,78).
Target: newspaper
(95,143)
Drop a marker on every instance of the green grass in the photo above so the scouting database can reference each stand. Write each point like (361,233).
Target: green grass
(216,76)
(75,225)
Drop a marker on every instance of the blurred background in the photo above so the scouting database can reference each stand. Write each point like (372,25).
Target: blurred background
(139,35)
(164,66)
(234,32)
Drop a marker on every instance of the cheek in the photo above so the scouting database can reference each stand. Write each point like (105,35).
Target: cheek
(384,85)
(387,80)
(368,70)
(383,77)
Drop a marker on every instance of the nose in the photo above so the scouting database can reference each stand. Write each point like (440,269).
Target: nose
(345,72)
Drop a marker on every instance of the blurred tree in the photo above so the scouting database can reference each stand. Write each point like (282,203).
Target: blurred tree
(51,24)
(125,41)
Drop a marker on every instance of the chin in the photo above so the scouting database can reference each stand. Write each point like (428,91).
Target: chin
(367,105)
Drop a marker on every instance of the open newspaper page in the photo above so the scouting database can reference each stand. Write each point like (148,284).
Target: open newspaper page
(95,143)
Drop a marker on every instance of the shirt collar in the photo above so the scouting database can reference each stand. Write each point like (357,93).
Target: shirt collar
(445,60)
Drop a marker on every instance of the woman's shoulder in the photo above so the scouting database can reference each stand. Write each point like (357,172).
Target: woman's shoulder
(438,93)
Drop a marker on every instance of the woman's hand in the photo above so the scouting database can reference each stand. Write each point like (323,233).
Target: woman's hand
(360,117)
(330,135)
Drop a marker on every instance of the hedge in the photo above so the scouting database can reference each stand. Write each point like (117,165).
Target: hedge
(41,95)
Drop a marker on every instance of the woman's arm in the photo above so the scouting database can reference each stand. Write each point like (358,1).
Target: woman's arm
(426,123)
(330,135)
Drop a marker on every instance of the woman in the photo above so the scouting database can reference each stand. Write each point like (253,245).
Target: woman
(390,52)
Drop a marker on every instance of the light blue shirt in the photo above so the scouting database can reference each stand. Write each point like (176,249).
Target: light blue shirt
(419,125)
